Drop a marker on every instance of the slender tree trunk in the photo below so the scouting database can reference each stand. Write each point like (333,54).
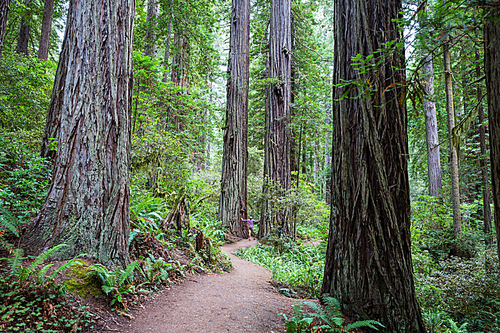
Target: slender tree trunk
(24,33)
(483,162)
(316,161)
(179,75)
(4,14)
(233,197)
(277,172)
(431,130)
(167,44)
(151,23)
(43,48)
(368,261)
(492,70)
(87,205)
(455,186)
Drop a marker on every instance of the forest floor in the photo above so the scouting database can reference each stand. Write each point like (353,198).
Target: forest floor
(240,301)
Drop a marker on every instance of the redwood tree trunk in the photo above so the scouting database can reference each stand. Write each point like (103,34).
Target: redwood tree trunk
(151,15)
(492,70)
(455,185)
(277,174)
(233,197)
(87,206)
(24,34)
(483,161)
(43,48)
(368,261)
(4,14)
(431,130)
(179,73)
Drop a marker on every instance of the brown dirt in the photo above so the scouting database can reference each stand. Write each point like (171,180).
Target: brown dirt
(240,301)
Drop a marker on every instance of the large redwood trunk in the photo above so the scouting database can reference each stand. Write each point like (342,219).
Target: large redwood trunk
(4,14)
(87,206)
(152,13)
(492,70)
(277,173)
(368,261)
(233,197)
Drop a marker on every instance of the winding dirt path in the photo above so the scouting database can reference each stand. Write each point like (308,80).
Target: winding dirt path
(240,301)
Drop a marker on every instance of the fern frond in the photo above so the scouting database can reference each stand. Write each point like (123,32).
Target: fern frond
(8,221)
(364,323)
(41,273)
(16,261)
(67,265)
(42,257)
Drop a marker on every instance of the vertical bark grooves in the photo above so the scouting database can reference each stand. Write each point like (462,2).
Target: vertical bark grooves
(43,48)
(179,75)
(233,197)
(368,261)
(152,13)
(167,43)
(277,171)
(455,185)
(431,130)
(4,14)
(492,70)
(87,205)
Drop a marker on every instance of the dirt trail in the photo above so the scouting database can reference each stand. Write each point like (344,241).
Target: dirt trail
(240,301)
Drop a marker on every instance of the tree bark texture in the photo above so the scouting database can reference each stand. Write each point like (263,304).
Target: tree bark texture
(277,172)
(151,24)
(483,161)
(24,33)
(87,206)
(4,14)
(179,75)
(492,70)
(43,48)
(233,197)
(368,261)
(167,43)
(431,130)
(455,185)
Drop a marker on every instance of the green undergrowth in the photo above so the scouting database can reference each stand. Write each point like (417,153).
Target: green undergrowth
(298,266)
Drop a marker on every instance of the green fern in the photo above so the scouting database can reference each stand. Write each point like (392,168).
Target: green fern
(8,221)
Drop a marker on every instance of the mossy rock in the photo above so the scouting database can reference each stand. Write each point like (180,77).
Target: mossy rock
(81,282)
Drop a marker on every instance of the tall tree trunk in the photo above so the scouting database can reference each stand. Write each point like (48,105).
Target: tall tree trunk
(179,73)
(167,43)
(87,205)
(152,13)
(455,185)
(24,33)
(492,70)
(431,130)
(43,48)
(277,174)
(483,162)
(368,261)
(233,197)
(4,14)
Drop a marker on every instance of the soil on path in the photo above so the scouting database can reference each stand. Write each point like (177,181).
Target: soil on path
(240,301)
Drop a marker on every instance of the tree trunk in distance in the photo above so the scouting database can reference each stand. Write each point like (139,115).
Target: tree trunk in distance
(179,75)
(151,15)
(87,205)
(43,47)
(492,70)
(431,130)
(167,44)
(233,197)
(277,172)
(24,34)
(368,265)
(483,162)
(455,185)
(4,15)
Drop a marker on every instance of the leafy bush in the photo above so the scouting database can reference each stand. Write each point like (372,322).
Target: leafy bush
(465,290)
